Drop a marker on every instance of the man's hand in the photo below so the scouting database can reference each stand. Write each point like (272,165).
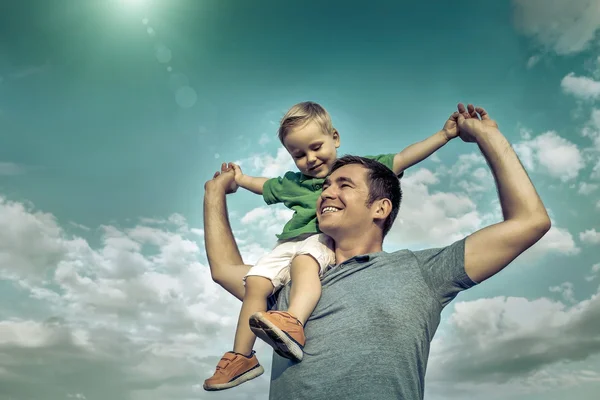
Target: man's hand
(223,180)
(450,128)
(473,122)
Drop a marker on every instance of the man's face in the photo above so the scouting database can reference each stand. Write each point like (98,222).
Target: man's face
(343,203)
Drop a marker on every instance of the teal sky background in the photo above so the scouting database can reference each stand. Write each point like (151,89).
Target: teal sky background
(113,114)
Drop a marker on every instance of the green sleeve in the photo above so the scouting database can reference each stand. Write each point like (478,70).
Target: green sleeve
(387,160)
(274,189)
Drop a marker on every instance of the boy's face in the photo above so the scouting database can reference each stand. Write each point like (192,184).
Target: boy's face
(313,151)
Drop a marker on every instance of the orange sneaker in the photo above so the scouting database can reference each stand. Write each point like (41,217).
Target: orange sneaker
(282,331)
(234,369)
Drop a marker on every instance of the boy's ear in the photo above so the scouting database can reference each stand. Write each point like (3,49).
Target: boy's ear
(336,138)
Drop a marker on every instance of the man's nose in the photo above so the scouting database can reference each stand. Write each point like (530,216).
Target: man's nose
(328,193)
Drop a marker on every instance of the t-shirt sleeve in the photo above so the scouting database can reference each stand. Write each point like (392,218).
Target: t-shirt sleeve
(274,189)
(387,160)
(444,270)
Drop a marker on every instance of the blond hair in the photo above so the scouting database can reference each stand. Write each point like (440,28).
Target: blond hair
(303,113)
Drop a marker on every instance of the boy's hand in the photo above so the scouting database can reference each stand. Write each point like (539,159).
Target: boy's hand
(239,175)
(450,128)
(222,180)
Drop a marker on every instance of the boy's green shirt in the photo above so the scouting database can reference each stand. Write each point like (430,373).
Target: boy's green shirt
(299,193)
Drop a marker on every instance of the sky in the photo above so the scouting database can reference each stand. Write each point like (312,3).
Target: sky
(114,113)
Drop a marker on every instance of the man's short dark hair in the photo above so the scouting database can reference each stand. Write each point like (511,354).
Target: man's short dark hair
(382,182)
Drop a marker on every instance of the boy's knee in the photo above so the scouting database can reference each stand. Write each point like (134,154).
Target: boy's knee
(259,285)
(305,261)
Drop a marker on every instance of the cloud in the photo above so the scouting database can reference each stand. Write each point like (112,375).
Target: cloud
(264,139)
(436,218)
(581,87)
(587,188)
(268,166)
(590,236)
(139,309)
(557,240)
(493,341)
(9,169)
(429,218)
(533,60)
(556,156)
(30,70)
(470,174)
(595,270)
(558,26)
(566,290)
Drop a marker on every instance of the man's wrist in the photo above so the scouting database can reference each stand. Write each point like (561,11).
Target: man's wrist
(487,133)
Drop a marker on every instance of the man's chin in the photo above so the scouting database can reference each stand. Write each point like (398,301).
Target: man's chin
(327,227)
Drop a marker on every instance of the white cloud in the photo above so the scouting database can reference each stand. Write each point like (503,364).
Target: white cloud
(267,220)
(587,188)
(557,240)
(566,290)
(501,340)
(556,156)
(581,87)
(557,25)
(432,218)
(438,218)
(268,166)
(593,272)
(138,309)
(590,236)
(8,169)
(264,139)
(533,60)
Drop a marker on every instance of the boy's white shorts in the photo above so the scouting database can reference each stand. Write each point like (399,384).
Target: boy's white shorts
(275,266)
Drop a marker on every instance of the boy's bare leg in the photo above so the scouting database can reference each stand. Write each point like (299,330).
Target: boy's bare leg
(306,287)
(226,265)
(255,299)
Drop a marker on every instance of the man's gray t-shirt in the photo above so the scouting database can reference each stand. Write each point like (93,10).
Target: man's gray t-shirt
(369,336)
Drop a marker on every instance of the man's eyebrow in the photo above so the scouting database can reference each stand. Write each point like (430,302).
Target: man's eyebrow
(345,179)
(338,180)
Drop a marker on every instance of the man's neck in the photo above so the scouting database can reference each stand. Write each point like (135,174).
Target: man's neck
(347,248)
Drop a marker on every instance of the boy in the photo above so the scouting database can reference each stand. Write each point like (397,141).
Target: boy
(302,252)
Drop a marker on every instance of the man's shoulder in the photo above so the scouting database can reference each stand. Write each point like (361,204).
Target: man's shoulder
(396,257)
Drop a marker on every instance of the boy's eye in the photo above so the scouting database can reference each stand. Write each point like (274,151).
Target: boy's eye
(317,147)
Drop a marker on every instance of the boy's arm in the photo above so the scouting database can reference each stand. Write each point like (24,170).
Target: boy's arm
(419,151)
(251,183)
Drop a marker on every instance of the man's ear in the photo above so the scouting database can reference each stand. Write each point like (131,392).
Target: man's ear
(381,209)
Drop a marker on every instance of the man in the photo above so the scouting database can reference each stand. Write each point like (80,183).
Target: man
(369,336)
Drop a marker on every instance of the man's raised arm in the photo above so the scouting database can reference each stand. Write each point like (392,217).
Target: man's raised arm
(226,265)
(490,249)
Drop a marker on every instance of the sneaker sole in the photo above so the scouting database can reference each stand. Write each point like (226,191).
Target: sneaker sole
(281,342)
(245,377)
